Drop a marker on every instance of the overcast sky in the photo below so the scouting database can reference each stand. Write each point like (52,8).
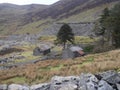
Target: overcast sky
(23,2)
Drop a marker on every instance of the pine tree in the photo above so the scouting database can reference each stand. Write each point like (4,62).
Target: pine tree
(110,23)
(114,24)
(104,16)
(64,35)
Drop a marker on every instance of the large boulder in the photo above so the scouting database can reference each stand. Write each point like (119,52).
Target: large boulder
(87,82)
(69,86)
(17,87)
(107,74)
(118,86)
(103,85)
(64,83)
(3,87)
(72,79)
(91,86)
(111,77)
(44,86)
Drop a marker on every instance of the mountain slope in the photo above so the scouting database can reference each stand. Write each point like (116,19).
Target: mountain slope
(34,18)
(66,8)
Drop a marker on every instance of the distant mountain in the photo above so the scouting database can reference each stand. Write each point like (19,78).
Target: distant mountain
(34,18)
(21,8)
(11,11)
(11,15)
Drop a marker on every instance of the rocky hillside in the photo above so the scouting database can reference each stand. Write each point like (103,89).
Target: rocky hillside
(109,80)
(34,18)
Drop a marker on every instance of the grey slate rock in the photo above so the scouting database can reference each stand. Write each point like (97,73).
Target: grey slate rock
(107,74)
(111,77)
(17,87)
(44,86)
(91,86)
(3,87)
(82,88)
(103,85)
(64,83)
(69,86)
(118,86)
(88,82)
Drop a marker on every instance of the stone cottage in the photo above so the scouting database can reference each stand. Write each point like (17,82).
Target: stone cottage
(72,52)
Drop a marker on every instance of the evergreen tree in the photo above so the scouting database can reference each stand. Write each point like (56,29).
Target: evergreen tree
(110,23)
(113,24)
(104,16)
(65,34)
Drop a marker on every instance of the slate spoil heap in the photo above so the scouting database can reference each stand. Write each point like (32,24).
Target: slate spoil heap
(109,80)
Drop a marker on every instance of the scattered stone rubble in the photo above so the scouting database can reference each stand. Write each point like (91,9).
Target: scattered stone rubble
(11,58)
(109,80)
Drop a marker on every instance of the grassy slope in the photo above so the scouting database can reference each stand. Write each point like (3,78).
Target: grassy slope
(13,27)
(34,27)
(78,39)
(43,71)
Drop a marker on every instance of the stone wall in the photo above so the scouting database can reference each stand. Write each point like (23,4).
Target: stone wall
(83,29)
(109,80)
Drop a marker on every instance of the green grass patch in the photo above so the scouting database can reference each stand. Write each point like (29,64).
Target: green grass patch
(47,38)
(78,39)
(83,39)
(28,57)
(56,67)
(19,80)
(90,59)
(52,68)
(34,27)
(88,48)
(45,68)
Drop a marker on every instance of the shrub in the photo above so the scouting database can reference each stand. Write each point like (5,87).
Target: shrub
(88,48)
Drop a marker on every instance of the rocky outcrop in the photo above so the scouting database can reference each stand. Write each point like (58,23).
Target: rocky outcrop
(17,87)
(109,80)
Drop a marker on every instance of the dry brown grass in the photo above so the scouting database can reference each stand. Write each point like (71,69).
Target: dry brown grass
(44,70)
